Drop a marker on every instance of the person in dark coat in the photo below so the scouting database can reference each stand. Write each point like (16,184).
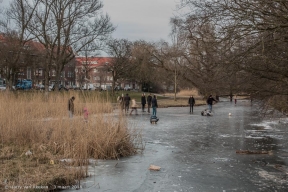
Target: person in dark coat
(149,102)
(127,102)
(154,105)
(191,103)
(71,106)
(210,102)
(143,102)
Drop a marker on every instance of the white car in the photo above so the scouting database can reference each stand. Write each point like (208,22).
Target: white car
(127,88)
(2,88)
(51,87)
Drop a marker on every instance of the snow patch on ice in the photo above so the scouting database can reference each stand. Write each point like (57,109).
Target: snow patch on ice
(221,159)
(252,137)
(227,135)
(269,176)
(267,125)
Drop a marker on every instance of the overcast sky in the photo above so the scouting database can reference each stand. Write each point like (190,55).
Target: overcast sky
(141,19)
(138,19)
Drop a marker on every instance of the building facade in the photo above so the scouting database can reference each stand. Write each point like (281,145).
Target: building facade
(93,71)
(30,65)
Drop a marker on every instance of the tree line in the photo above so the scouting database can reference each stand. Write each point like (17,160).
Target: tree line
(235,46)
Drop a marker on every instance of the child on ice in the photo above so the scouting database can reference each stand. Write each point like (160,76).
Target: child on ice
(85,114)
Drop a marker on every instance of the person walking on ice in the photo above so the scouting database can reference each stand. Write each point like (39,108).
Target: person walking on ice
(191,103)
(127,102)
(210,102)
(143,102)
(154,105)
(133,106)
(149,102)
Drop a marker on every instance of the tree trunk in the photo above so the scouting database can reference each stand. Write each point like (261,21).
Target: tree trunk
(175,85)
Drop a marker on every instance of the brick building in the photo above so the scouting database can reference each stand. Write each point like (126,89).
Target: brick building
(93,71)
(32,67)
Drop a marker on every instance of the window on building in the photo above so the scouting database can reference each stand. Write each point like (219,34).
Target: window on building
(69,73)
(21,71)
(38,72)
(95,70)
(28,73)
(53,73)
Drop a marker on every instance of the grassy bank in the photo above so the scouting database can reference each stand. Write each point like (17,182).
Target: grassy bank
(167,99)
(36,135)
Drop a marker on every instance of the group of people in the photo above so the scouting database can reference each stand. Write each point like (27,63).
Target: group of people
(71,109)
(209,102)
(125,101)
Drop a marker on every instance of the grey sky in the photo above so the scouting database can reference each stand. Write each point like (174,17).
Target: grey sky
(138,19)
(141,19)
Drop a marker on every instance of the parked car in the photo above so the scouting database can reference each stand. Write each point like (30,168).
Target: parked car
(2,87)
(127,88)
(39,87)
(51,87)
(61,87)
(118,88)
(75,87)
(24,84)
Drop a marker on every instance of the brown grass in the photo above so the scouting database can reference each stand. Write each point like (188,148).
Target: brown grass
(180,102)
(185,93)
(181,98)
(32,122)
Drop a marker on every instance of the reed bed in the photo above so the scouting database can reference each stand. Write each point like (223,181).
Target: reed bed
(37,136)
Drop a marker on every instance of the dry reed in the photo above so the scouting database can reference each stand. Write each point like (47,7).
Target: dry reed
(30,121)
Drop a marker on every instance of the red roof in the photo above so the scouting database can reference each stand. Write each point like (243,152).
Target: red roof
(34,45)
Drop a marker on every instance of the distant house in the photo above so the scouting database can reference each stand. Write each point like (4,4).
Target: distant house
(96,71)
(33,68)
(93,71)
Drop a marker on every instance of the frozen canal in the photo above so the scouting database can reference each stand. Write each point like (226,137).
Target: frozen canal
(198,153)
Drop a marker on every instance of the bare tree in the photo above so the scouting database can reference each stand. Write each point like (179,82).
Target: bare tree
(15,36)
(68,26)
(120,51)
(256,31)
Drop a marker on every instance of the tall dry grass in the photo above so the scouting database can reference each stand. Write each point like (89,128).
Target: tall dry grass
(31,121)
